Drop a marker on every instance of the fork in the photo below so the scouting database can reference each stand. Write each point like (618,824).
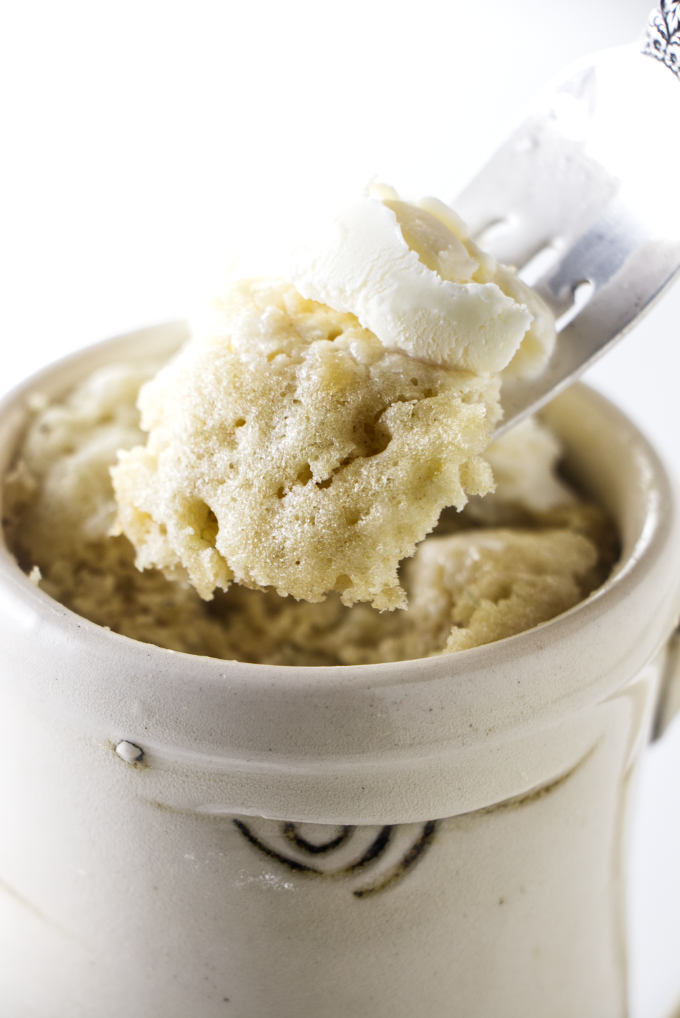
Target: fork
(582,198)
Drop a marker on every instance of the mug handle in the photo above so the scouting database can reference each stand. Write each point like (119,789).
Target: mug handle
(669,698)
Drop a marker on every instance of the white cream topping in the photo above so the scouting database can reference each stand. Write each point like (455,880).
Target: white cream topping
(410,274)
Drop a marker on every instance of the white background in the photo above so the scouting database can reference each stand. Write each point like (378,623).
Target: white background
(146,145)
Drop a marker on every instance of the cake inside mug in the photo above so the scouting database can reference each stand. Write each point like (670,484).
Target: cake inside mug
(310,480)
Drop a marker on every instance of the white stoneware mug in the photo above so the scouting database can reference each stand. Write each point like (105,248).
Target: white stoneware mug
(186,837)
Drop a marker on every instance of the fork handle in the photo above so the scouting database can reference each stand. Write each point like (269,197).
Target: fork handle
(662,37)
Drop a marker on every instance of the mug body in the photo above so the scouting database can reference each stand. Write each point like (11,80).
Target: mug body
(191,836)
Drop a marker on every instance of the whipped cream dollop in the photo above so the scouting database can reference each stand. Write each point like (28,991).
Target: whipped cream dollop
(412,275)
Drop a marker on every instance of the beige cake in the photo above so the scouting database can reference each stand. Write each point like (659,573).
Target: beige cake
(508,561)
(309,438)
(295,451)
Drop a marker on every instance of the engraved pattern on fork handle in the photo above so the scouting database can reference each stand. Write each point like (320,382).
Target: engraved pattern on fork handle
(662,37)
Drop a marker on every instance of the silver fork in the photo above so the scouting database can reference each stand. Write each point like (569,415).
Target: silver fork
(583,199)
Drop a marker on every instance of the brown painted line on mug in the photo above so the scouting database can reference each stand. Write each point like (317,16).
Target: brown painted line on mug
(377,846)
(401,869)
(290,831)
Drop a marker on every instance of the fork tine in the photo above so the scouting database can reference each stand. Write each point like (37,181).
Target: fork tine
(595,257)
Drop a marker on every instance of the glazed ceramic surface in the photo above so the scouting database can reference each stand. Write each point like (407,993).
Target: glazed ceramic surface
(446,837)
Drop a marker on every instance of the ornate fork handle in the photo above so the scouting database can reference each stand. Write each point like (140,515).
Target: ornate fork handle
(662,37)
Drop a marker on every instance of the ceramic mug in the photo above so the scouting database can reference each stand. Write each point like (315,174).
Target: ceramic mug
(185,836)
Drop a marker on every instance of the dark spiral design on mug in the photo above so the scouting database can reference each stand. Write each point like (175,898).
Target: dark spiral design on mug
(388,852)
